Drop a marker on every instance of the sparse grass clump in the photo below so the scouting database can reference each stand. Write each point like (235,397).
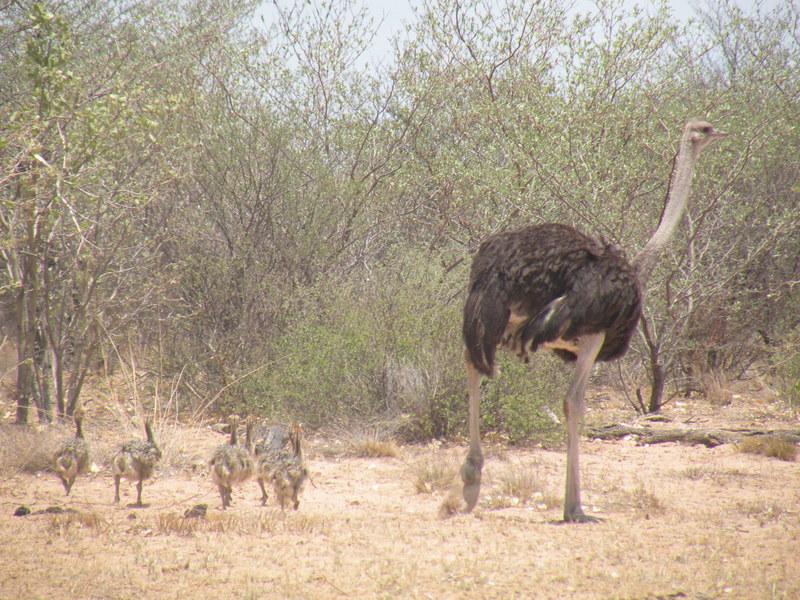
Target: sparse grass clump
(522,485)
(696,473)
(372,444)
(62,523)
(772,446)
(26,450)
(762,512)
(434,472)
(451,505)
(268,521)
(713,474)
(645,500)
(521,481)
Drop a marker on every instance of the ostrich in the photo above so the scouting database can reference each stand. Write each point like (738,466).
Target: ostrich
(135,461)
(554,287)
(232,464)
(268,451)
(72,456)
(290,472)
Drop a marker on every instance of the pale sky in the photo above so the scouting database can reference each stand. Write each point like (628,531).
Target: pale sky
(396,13)
(391,16)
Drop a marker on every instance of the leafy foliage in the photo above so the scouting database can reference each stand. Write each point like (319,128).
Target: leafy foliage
(249,208)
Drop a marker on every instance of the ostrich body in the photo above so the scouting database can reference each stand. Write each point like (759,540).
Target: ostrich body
(231,464)
(72,456)
(290,473)
(135,461)
(268,451)
(551,286)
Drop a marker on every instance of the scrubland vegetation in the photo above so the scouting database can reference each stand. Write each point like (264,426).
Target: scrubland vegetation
(205,211)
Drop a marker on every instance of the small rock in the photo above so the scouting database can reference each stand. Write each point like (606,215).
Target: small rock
(196,512)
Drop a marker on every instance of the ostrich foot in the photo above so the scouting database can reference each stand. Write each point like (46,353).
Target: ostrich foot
(471,476)
(579,517)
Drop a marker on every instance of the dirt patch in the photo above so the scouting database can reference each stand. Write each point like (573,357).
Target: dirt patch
(679,522)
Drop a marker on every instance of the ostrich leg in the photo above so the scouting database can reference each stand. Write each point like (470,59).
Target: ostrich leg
(471,469)
(588,347)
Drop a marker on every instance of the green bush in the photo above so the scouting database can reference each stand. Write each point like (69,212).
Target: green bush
(524,401)
(787,368)
(377,344)
(386,347)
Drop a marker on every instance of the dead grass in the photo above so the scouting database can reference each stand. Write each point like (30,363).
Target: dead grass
(272,521)
(716,388)
(371,444)
(679,522)
(67,522)
(434,471)
(714,474)
(772,446)
(646,501)
(28,449)
(452,504)
(522,484)
(763,512)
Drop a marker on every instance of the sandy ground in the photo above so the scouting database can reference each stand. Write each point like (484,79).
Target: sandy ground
(679,522)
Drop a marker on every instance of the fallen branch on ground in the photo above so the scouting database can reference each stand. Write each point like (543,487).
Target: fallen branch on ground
(707,437)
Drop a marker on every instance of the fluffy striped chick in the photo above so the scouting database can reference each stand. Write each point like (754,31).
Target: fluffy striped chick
(268,450)
(72,456)
(290,473)
(135,461)
(231,464)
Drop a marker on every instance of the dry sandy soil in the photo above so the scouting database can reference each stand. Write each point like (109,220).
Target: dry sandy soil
(679,522)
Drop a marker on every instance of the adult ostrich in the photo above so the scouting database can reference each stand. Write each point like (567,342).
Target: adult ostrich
(554,287)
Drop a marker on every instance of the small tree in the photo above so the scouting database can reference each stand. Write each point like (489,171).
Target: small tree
(79,252)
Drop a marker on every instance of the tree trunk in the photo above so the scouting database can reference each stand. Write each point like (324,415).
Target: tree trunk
(657,391)
(26,379)
(656,370)
(26,315)
(24,392)
(42,371)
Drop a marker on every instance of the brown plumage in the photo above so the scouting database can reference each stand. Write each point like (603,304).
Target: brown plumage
(135,461)
(561,284)
(290,472)
(231,464)
(72,457)
(268,449)
(551,286)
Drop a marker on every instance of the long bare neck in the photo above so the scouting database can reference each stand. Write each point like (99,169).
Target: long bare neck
(148,429)
(294,436)
(677,197)
(249,437)
(234,426)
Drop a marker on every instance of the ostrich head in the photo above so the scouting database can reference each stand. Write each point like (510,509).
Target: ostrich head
(700,134)
(696,136)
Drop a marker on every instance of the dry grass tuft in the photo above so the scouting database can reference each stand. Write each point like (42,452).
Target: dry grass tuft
(372,444)
(451,505)
(716,389)
(24,449)
(175,524)
(64,523)
(713,474)
(268,521)
(762,512)
(772,446)
(434,472)
(522,485)
(644,499)
(522,481)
